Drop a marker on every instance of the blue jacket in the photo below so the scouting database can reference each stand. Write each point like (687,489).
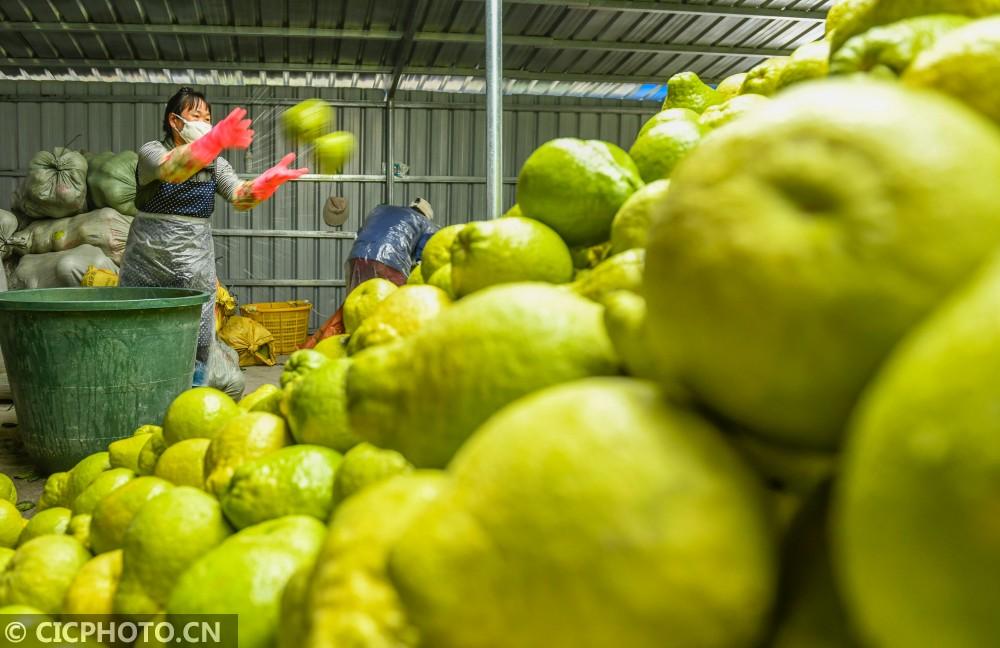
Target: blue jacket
(394,236)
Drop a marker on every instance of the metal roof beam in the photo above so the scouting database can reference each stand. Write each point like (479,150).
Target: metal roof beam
(404,48)
(540,42)
(251,68)
(544,42)
(198,30)
(637,6)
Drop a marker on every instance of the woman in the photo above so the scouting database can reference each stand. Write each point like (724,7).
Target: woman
(170,244)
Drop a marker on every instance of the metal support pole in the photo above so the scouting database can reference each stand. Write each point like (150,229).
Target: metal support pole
(494,108)
(387,134)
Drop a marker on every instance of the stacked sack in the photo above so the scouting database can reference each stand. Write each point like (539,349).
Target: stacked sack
(51,239)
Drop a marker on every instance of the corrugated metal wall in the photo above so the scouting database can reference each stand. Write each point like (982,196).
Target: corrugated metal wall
(438,148)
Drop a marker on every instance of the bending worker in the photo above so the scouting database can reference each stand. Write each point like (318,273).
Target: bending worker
(170,244)
(390,243)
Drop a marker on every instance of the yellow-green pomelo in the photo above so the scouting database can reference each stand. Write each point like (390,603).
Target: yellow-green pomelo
(889,50)
(92,590)
(437,251)
(731,86)
(7,489)
(246,574)
(11,524)
(106,482)
(333,150)
(514,338)
(507,250)
(827,219)
(334,347)
(687,90)
(52,521)
(147,429)
(198,414)
(442,279)
(918,488)
(401,314)
(41,571)
(807,63)
(166,536)
(659,150)
(765,78)
(720,115)
(630,509)
(242,439)
(365,465)
(630,228)
(575,187)
(350,600)
(625,320)
(859,16)
(316,408)
(124,453)
(793,470)
(307,120)
(150,453)
(363,300)
(113,515)
(266,398)
(301,363)
(587,258)
(79,529)
(54,491)
(83,473)
(964,64)
(664,116)
(515,210)
(842,14)
(183,464)
(293,621)
(6,553)
(416,276)
(620,272)
(297,480)
(30,619)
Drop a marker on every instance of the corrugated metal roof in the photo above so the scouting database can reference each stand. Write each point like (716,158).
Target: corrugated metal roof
(605,48)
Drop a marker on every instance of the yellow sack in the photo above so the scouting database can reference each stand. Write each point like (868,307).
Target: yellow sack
(225,306)
(252,341)
(98,278)
(224,299)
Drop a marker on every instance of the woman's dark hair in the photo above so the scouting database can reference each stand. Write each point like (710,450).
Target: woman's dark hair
(184,99)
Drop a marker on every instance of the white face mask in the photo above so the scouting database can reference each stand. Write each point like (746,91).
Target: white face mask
(192,129)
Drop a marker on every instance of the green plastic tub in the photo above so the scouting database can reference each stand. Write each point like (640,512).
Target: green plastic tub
(89,365)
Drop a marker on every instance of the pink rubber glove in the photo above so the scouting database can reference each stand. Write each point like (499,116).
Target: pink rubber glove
(267,183)
(233,132)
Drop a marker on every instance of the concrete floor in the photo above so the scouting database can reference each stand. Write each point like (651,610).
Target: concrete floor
(15,463)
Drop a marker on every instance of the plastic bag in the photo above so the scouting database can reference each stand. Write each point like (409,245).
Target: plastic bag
(102,228)
(58,269)
(111,181)
(251,341)
(98,278)
(55,187)
(8,225)
(223,369)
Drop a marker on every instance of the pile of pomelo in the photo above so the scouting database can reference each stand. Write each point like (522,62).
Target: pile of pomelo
(734,387)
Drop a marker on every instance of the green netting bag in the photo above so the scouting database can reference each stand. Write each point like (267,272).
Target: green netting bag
(55,187)
(111,181)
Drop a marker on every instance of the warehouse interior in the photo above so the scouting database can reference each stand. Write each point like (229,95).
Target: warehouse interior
(94,75)
(500,323)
